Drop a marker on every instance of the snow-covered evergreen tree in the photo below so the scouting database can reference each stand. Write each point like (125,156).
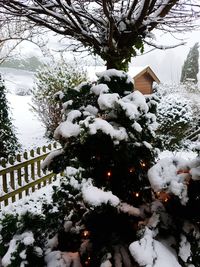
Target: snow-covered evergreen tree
(190,67)
(8,140)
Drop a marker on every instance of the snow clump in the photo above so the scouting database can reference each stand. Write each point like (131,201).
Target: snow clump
(149,252)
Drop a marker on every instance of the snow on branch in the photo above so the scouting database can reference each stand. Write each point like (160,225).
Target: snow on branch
(149,252)
(163,47)
(96,197)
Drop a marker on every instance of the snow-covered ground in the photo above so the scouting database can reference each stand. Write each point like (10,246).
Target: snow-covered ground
(16,79)
(29,129)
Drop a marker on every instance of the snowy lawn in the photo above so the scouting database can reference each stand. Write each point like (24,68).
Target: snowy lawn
(17,80)
(30,130)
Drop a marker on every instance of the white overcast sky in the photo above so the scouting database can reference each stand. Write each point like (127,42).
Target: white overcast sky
(167,64)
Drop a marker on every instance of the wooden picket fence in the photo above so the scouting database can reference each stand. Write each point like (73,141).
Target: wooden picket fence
(22,175)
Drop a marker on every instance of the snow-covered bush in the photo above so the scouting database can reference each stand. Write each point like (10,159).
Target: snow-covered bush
(49,80)
(174,116)
(182,88)
(23,91)
(164,89)
(191,87)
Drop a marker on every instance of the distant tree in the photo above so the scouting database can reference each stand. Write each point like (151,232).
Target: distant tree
(114,30)
(31,63)
(51,79)
(8,140)
(190,67)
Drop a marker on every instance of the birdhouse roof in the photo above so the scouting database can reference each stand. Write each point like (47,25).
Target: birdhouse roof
(136,72)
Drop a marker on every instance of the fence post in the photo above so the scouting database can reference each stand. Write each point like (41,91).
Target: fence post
(5,187)
(26,172)
(4,180)
(32,169)
(19,175)
(12,177)
(44,149)
(38,151)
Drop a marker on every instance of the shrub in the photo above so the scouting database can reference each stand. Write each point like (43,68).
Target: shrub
(174,115)
(50,80)
(183,88)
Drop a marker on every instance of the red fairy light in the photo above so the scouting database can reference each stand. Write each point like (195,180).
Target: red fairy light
(85,234)
(142,163)
(131,170)
(87,262)
(109,173)
(136,194)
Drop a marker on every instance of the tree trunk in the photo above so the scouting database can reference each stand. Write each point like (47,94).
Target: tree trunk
(116,62)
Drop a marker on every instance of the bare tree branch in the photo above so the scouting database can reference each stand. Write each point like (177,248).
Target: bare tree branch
(14,31)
